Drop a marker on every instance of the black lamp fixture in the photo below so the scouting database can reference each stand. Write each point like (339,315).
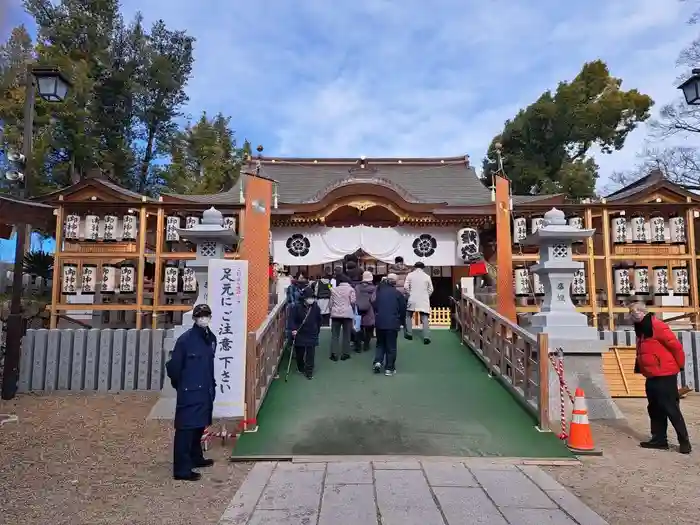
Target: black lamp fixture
(51,84)
(691,88)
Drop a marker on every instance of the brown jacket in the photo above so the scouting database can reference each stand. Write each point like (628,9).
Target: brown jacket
(401,271)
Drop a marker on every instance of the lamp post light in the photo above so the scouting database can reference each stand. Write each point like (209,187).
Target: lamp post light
(52,86)
(691,89)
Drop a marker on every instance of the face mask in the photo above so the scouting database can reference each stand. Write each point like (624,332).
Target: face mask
(309,301)
(203,322)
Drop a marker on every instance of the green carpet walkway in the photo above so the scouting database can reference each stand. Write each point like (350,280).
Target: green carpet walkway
(440,403)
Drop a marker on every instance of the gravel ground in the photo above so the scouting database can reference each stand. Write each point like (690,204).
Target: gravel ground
(93,459)
(633,486)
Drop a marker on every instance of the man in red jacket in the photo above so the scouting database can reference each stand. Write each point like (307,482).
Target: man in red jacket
(660,358)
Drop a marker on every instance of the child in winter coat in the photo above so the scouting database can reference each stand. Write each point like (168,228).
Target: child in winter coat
(305,323)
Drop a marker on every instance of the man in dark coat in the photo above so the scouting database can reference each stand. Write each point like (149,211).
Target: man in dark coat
(389,316)
(305,323)
(191,372)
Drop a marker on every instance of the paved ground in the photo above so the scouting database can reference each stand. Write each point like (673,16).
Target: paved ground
(440,403)
(408,492)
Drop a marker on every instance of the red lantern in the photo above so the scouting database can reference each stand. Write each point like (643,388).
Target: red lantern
(477,269)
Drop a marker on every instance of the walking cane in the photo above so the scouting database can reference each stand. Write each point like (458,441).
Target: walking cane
(291,349)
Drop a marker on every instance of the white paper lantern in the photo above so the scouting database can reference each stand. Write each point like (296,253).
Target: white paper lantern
(170,279)
(623,286)
(110,231)
(69,279)
(191,221)
(522,282)
(72,226)
(189,281)
(578,285)
(172,223)
(537,286)
(92,227)
(618,230)
(536,223)
(89,279)
(657,229)
(676,227)
(679,276)
(641,280)
(519,229)
(129,227)
(660,282)
(638,227)
(230,223)
(127,278)
(109,278)
(467,244)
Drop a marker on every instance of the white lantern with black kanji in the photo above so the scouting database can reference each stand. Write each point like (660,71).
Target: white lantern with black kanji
(676,227)
(638,227)
(576,222)
(519,229)
(618,230)
(110,231)
(127,278)
(189,280)
(679,277)
(660,280)
(522,282)
(537,286)
(657,229)
(109,278)
(172,223)
(230,223)
(468,244)
(69,279)
(72,226)
(170,279)
(92,227)
(129,227)
(89,279)
(191,221)
(536,223)
(623,286)
(578,285)
(641,280)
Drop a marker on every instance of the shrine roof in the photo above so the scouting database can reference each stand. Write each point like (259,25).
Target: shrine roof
(653,181)
(92,181)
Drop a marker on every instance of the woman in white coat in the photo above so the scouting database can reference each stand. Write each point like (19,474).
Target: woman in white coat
(419,288)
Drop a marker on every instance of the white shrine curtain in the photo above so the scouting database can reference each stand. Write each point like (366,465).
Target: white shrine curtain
(321,245)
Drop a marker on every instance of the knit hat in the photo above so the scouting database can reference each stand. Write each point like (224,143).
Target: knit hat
(367,277)
(392,277)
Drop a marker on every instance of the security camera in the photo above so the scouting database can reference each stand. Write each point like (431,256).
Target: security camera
(14,175)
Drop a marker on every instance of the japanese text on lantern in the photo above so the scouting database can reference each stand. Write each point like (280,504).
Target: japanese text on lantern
(228,291)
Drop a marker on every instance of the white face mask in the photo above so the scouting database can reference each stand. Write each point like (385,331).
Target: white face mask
(203,322)
(309,301)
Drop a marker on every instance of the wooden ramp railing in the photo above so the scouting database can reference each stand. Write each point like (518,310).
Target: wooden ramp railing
(516,357)
(263,352)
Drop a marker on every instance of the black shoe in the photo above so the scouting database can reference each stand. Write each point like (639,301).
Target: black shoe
(300,369)
(334,357)
(204,463)
(358,350)
(192,476)
(426,341)
(309,376)
(685,448)
(345,357)
(377,367)
(409,337)
(657,445)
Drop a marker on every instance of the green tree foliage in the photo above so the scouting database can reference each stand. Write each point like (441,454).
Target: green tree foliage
(205,157)
(546,147)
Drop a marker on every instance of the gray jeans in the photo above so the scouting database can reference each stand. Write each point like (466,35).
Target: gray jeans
(424,320)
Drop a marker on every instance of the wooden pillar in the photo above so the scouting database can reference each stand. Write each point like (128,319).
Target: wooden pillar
(160,226)
(57,269)
(504,252)
(608,268)
(255,234)
(590,277)
(693,270)
(141,266)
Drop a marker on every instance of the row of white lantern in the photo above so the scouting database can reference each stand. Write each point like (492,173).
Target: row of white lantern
(639,230)
(636,281)
(93,279)
(527,284)
(111,228)
(520,230)
(171,280)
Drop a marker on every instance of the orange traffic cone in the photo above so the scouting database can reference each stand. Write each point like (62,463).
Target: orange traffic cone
(580,436)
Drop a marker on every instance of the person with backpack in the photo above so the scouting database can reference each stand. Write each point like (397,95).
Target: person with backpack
(363,293)
(342,317)
(322,293)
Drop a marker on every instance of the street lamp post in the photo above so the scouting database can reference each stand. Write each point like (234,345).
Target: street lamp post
(691,89)
(51,86)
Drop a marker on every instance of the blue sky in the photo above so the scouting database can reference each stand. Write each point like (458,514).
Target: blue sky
(409,78)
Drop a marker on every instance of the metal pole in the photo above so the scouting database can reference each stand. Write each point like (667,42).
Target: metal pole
(15,325)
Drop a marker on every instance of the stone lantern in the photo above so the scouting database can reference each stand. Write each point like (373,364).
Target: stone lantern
(568,329)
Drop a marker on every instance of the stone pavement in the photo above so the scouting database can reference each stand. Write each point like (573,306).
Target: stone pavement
(404,492)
